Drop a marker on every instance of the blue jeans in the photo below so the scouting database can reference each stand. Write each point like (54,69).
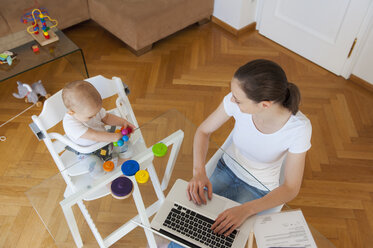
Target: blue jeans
(226,183)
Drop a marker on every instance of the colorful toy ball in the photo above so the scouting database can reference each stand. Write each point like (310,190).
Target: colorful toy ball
(121,188)
(120,142)
(129,130)
(126,131)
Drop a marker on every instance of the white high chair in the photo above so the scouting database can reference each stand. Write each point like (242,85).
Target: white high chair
(53,112)
(211,165)
(77,177)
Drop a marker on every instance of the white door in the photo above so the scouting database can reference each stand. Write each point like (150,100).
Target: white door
(322,31)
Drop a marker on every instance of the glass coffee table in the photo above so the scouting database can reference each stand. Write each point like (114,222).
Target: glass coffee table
(113,221)
(21,43)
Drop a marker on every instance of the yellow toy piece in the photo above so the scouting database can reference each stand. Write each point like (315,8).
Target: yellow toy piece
(142,176)
(103,152)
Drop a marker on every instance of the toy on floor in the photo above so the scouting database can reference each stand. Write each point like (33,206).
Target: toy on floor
(7,57)
(48,36)
(31,93)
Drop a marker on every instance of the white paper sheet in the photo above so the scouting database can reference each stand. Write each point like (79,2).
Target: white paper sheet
(283,229)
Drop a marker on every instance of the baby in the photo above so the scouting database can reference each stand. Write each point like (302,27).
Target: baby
(85,120)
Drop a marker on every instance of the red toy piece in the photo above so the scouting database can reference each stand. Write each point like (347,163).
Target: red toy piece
(46,35)
(35,48)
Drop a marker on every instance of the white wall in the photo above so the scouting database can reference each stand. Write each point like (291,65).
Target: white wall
(248,11)
(236,13)
(364,65)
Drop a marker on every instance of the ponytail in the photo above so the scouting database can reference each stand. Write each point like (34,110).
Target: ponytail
(292,98)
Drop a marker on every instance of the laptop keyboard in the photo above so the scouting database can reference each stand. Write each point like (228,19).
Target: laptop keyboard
(197,227)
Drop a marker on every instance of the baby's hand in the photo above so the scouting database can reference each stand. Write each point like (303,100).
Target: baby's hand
(129,124)
(117,136)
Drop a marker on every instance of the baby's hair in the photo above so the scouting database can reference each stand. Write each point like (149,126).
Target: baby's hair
(264,80)
(78,94)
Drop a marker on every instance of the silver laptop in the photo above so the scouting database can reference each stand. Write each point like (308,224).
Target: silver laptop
(189,224)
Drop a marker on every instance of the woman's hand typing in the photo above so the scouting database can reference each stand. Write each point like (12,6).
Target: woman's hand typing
(230,219)
(196,189)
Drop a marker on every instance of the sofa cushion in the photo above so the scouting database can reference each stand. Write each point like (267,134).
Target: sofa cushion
(139,23)
(67,13)
(4,27)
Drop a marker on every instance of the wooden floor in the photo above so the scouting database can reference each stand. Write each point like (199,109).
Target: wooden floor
(191,71)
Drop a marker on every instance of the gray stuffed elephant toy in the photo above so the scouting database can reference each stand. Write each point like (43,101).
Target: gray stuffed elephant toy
(31,93)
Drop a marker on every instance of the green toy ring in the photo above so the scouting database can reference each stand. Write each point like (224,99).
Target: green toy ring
(159,149)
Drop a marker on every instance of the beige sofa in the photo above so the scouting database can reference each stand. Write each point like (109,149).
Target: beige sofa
(138,23)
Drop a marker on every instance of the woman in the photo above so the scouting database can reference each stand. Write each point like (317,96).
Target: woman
(268,130)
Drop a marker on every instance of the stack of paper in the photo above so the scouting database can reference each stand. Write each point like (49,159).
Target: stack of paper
(283,229)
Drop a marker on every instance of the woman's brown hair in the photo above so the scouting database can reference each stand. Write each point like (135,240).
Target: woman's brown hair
(264,80)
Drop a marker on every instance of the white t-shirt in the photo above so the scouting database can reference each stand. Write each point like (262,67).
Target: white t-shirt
(263,154)
(74,129)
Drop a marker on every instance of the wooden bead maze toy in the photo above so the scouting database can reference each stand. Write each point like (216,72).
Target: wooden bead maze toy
(46,34)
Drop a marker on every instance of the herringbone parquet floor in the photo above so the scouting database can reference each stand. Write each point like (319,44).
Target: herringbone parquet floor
(191,71)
